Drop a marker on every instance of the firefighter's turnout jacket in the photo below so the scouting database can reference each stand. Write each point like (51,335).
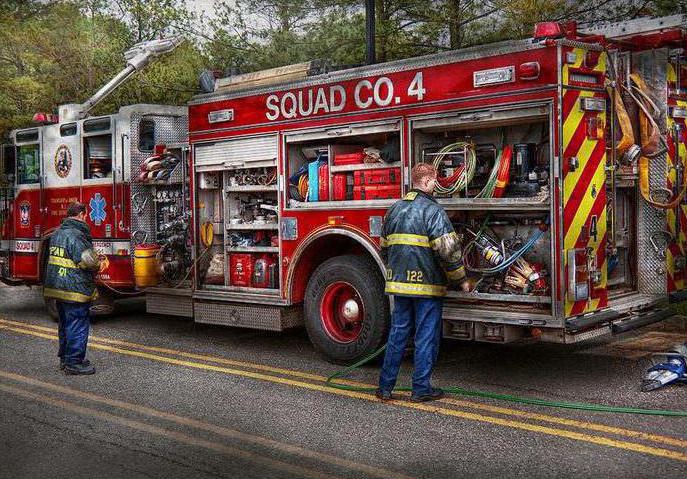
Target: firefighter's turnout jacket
(71,265)
(420,247)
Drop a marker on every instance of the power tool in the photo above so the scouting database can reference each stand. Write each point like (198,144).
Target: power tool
(668,368)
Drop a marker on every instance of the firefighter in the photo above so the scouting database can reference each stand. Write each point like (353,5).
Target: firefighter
(69,279)
(422,254)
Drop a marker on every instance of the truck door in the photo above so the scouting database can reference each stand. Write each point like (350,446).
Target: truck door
(583,158)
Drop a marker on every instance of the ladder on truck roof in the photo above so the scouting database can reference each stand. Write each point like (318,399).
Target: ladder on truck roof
(631,29)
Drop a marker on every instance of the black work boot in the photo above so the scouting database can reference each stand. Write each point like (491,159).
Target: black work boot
(80,369)
(433,395)
(384,395)
(85,362)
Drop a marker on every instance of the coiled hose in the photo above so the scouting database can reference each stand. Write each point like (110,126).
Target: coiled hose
(463,175)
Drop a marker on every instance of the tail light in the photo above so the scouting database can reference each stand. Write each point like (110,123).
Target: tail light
(591,59)
(528,71)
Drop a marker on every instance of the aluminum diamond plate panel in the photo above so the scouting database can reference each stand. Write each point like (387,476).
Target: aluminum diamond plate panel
(651,277)
(243,316)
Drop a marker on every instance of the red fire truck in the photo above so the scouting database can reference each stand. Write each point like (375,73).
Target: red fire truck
(561,162)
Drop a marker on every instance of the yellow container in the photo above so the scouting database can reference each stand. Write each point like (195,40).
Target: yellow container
(146,266)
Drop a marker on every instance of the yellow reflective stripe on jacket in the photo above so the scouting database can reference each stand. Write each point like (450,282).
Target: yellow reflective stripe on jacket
(413,288)
(410,196)
(69,295)
(65,262)
(436,241)
(407,239)
(456,274)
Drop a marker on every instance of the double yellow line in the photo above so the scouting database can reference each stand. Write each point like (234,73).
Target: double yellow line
(244,438)
(315,382)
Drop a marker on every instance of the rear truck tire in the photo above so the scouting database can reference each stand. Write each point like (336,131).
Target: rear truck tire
(346,310)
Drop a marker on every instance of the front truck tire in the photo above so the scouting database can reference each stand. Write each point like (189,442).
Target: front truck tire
(346,310)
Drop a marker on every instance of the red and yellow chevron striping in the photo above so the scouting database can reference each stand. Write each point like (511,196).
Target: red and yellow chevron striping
(584,188)
(676,218)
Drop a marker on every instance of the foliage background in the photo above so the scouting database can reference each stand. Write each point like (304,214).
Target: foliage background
(61,51)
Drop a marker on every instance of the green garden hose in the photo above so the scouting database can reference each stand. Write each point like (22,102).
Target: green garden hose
(502,397)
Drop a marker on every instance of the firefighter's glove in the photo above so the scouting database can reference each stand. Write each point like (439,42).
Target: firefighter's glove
(89,260)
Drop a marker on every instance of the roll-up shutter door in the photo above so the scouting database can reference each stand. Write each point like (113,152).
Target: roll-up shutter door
(257,151)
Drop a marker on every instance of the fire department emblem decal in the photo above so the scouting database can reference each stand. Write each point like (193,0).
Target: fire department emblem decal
(63,161)
(97,213)
(24,214)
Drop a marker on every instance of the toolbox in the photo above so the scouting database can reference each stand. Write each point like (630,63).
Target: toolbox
(240,269)
(343,186)
(379,192)
(341,159)
(324,183)
(383,176)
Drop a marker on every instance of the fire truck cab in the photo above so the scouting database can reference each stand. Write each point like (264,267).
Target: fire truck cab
(85,160)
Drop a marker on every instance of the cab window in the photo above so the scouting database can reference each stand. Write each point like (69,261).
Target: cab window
(28,164)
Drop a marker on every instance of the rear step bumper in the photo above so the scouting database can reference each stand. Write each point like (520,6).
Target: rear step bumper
(640,320)
(677,296)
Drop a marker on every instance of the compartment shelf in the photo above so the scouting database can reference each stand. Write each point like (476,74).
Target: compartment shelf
(241,289)
(510,298)
(351,204)
(364,166)
(253,249)
(524,204)
(251,188)
(252,227)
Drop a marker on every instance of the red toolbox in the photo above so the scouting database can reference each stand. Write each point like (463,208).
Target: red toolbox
(379,192)
(323,183)
(343,186)
(240,269)
(383,176)
(341,159)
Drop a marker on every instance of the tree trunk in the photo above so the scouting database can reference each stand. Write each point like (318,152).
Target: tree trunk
(454,18)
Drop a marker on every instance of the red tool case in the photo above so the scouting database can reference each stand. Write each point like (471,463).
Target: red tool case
(323,183)
(382,176)
(343,186)
(341,159)
(379,192)
(240,269)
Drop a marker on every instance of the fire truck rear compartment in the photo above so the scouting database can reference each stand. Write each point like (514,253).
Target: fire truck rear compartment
(504,205)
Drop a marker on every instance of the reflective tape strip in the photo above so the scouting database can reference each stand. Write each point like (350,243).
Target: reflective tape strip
(456,274)
(410,196)
(65,262)
(434,243)
(69,295)
(407,239)
(416,289)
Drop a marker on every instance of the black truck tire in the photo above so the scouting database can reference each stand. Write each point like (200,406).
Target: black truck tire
(338,289)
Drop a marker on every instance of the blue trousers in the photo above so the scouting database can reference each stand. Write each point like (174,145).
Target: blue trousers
(425,314)
(73,331)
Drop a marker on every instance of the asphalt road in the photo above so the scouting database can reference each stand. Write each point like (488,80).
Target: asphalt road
(173,399)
